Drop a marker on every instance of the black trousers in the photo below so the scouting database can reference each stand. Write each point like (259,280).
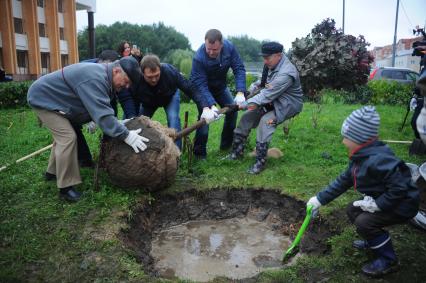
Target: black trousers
(370,225)
(83,150)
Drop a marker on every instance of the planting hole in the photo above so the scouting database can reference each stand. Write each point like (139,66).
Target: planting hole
(220,233)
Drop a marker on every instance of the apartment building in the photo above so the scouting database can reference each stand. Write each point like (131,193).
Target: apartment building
(39,36)
(403,58)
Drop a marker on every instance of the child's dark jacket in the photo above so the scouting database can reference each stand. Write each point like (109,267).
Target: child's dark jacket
(375,171)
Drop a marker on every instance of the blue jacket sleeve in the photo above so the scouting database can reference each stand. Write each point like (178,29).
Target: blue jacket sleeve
(395,182)
(336,188)
(199,80)
(239,71)
(127,103)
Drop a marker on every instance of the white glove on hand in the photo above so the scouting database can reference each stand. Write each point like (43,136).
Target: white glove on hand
(421,124)
(91,127)
(123,122)
(216,112)
(239,98)
(136,141)
(208,115)
(316,205)
(413,104)
(367,204)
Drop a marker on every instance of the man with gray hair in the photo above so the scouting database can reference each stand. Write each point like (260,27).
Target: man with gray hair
(77,94)
(277,101)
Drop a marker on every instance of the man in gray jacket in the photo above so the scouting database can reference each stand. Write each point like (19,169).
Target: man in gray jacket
(278,100)
(78,94)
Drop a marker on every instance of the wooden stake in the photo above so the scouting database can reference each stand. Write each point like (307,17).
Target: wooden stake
(28,156)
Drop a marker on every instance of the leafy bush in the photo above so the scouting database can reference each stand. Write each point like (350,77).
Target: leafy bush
(181,59)
(390,92)
(378,92)
(13,94)
(328,58)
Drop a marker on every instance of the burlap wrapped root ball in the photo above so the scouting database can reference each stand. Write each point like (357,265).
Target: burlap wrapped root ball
(153,169)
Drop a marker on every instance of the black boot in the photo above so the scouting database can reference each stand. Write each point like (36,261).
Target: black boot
(238,145)
(386,260)
(360,244)
(261,152)
(69,194)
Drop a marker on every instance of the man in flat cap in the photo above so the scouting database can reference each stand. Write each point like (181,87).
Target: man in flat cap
(77,94)
(278,100)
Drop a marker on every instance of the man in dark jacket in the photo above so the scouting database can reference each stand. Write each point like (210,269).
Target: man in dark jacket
(210,65)
(77,94)
(390,197)
(160,87)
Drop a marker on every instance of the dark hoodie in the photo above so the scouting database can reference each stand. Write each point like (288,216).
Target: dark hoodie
(375,171)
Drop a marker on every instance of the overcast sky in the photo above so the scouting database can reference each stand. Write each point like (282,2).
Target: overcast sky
(278,20)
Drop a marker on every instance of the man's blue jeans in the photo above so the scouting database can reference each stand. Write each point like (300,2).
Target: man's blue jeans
(201,136)
(172,112)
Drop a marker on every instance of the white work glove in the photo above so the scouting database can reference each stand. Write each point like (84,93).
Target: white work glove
(421,124)
(124,121)
(216,112)
(239,98)
(316,205)
(208,114)
(91,127)
(136,141)
(413,104)
(367,204)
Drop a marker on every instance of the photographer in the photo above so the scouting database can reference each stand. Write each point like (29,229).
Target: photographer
(417,102)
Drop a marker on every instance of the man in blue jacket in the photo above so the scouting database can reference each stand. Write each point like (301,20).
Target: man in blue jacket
(160,87)
(210,65)
(390,196)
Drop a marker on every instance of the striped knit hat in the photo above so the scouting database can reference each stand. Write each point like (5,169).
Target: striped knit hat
(361,125)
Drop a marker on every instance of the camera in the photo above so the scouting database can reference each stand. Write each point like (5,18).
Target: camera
(419,47)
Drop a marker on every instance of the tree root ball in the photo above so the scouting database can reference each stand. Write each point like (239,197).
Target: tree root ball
(153,169)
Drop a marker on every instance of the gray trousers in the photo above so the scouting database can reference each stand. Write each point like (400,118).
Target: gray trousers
(63,161)
(257,118)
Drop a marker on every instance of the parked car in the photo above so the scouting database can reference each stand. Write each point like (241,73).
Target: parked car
(402,75)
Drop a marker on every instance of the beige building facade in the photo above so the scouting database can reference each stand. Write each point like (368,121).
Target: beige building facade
(38,36)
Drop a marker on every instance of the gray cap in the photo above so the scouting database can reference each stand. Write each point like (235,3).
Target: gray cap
(362,125)
(269,48)
(131,67)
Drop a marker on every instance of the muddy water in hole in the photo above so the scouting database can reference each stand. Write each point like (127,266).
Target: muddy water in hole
(202,250)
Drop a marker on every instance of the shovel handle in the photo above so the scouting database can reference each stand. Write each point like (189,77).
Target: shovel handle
(199,124)
(291,250)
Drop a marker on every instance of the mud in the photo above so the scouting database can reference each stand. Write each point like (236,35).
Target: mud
(280,214)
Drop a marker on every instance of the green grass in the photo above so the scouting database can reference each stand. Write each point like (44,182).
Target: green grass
(46,240)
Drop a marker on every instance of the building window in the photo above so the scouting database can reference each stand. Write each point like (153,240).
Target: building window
(41,30)
(64,60)
(60,6)
(22,57)
(18,25)
(45,63)
(40,3)
(61,34)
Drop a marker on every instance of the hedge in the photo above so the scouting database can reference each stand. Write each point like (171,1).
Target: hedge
(14,94)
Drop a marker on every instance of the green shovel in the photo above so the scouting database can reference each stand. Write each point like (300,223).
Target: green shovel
(293,249)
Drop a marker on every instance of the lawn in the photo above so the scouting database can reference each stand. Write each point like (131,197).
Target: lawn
(46,240)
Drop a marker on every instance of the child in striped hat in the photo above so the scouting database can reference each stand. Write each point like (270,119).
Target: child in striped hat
(389,195)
